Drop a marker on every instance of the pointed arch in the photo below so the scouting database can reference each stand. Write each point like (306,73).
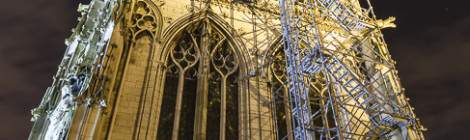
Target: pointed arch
(276,67)
(201,49)
(271,50)
(211,17)
(142,23)
(146,17)
(274,63)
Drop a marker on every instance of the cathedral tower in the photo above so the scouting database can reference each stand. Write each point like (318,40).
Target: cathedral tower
(196,69)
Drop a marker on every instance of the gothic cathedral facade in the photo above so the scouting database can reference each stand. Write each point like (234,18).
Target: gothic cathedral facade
(187,69)
(202,69)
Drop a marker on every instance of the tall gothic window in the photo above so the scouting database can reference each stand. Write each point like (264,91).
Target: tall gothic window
(201,89)
(282,100)
(279,89)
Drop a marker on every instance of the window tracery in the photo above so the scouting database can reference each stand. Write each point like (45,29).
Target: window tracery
(279,87)
(145,18)
(282,100)
(202,72)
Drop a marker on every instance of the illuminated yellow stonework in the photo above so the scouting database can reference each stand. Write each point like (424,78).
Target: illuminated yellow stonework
(191,69)
(134,90)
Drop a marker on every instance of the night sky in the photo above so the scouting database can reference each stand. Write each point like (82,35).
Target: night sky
(431,46)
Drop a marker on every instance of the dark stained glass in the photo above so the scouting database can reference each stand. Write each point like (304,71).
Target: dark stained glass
(232,108)
(219,64)
(167,112)
(186,129)
(213,108)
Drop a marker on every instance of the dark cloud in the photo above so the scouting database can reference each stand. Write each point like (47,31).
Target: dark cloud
(434,66)
(32,37)
(431,46)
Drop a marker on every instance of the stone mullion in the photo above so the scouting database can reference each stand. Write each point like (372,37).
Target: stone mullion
(179,93)
(223,108)
(243,111)
(223,92)
(179,99)
(203,87)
